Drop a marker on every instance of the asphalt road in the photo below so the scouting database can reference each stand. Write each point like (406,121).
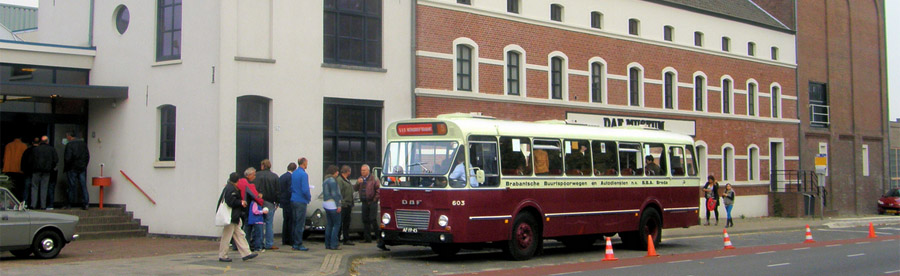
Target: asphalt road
(679,256)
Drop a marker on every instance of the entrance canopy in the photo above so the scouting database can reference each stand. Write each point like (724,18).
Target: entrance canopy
(68,91)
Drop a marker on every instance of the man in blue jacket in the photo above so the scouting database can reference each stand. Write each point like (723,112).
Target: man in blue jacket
(299,199)
(284,199)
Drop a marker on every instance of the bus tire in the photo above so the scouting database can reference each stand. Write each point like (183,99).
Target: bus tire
(651,224)
(445,250)
(525,238)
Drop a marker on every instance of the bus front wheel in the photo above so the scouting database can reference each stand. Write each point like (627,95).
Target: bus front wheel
(525,238)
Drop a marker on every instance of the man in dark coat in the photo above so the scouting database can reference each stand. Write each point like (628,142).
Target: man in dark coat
(45,161)
(284,198)
(28,169)
(76,161)
(267,184)
(232,197)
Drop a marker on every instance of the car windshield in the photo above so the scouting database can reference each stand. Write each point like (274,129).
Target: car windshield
(893,193)
(409,158)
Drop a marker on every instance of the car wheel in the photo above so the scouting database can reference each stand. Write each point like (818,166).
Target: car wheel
(22,253)
(47,244)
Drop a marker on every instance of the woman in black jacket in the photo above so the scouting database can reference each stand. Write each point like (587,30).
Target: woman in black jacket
(232,197)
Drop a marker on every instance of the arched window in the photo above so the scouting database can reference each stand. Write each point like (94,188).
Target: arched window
(776,99)
(669,90)
(753,163)
(668,32)
(596,20)
(513,65)
(698,39)
(167,132)
(699,92)
(751,49)
(556,78)
(728,163)
(774,53)
(751,99)
(726,96)
(463,67)
(597,82)
(635,83)
(634,26)
(726,44)
(556,12)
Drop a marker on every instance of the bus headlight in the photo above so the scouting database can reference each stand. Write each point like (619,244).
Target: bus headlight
(443,220)
(386,219)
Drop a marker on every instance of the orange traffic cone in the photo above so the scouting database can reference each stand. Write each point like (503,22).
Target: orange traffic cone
(809,238)
(872,231)
(609,252)
(727,240)
(651,250)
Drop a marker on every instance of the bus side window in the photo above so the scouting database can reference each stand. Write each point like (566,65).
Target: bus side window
(578,157)
(655,159)
(484,156)
(690,162)
(676,157)
(630,162)
(515,156)
(547,157)
(606,163)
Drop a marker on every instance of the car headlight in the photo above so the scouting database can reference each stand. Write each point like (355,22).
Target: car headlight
(386,219)
(318,214)
(443,220)
(880,202)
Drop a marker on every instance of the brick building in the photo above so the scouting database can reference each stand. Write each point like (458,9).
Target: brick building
(724,73)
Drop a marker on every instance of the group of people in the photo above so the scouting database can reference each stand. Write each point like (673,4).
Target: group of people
(32,167)
(255,197)
(712,195)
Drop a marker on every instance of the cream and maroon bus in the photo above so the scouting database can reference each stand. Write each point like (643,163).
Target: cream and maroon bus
(467,181)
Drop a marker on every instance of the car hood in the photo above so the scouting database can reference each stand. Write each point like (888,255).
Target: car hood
(47,217)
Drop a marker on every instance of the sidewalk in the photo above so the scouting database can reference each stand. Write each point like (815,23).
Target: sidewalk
(185,256)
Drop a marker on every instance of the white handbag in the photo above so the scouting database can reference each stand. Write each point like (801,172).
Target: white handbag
(223,214)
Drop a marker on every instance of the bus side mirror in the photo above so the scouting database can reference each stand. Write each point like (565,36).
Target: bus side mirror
(479,175)
(376,172)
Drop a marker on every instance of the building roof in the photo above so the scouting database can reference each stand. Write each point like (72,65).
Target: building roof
(740,10)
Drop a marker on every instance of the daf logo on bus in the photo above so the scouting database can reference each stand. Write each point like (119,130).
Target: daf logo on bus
(411,202)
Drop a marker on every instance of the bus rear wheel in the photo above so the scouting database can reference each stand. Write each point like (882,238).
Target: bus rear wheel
(524,239)
(650,224)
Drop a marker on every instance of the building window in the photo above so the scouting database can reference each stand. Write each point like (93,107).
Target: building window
(353,32)
(168,30)
(865,160)
(464,2)
(698,39)
(727,163)
(167,133)
(726,96)
(123,17)
(596,20)
(895,167)
(751,99)
(556,78)
(753,159)
(512,73)
(597,82)
(751,49)
(634,27)
(776,98)
(819,111)
(512,6)
(352,133)
(251,131)
(699,83)
(667,32)
(634,86)
(463,67)
(726,44)
(556,12)
(774,53)
(669,90)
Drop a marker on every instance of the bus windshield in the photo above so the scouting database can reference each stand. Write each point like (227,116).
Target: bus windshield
(419,157)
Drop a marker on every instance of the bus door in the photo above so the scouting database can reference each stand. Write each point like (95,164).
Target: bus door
(483,154)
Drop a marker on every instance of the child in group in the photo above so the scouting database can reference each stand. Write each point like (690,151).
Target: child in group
(257,225)
(729,204)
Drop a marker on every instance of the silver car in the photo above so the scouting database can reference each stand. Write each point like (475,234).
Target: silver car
(27,232)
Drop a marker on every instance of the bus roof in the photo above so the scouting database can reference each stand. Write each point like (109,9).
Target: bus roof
(467,124)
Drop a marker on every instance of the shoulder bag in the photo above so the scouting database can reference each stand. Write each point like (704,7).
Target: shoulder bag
(223,214)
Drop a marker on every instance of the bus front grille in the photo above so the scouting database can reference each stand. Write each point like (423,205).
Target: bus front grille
(413,219)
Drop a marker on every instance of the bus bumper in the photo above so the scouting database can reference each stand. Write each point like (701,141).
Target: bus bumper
(396,237)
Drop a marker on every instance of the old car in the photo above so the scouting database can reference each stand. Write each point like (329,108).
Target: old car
(890,202)
(26,232)
(315,221)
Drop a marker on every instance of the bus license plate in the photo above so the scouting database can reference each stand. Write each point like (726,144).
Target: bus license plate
(410,230)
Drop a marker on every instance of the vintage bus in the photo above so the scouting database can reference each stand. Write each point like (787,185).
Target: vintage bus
(468,181)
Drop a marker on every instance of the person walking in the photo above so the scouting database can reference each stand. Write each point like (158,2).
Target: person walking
(284,199)
(711,190)
(76,160)
(249,193)
(45,161)
(267,183)
(332,202)
(367,186)
(28,170)
(346,204)
(729,204)
(232,197)
(299,200)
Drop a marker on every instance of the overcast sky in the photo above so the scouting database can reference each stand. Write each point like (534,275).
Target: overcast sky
(892,15)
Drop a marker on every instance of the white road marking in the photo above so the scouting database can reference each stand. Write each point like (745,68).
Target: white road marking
(856,255)
(723,257)
(889,228)
(767,252)
(682,261)
(863,242)
(801,248)
(853,231)
(891,272)
(833,245)
(781,264)
(567,273)
(630,266)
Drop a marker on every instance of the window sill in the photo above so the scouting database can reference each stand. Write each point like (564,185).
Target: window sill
(164,164)
(166,62)
(250,59)
(354,67)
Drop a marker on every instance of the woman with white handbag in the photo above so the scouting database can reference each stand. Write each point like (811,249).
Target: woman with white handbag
(228,214)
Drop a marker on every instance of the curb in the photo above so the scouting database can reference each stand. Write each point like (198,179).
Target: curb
(862,222)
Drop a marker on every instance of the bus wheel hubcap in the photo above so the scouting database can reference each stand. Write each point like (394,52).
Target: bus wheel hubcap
(524,235)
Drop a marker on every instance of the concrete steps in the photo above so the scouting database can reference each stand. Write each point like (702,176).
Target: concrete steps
(108,223)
